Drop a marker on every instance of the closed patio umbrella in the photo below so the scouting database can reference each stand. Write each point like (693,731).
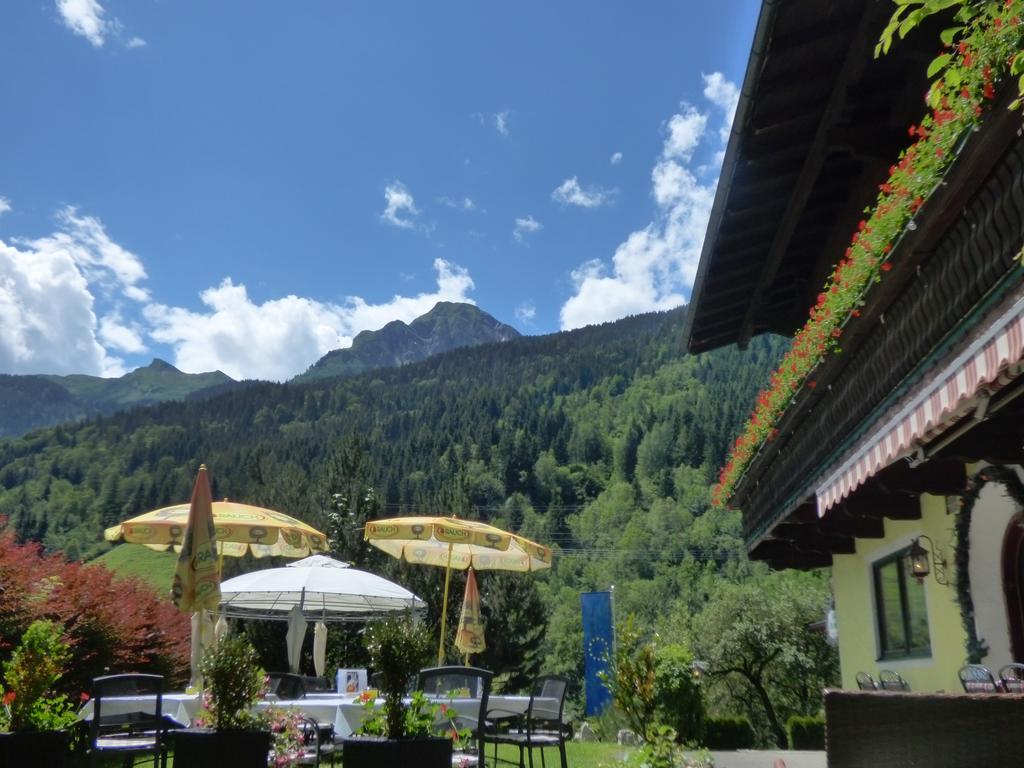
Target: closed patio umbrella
(470,636)
(196,586)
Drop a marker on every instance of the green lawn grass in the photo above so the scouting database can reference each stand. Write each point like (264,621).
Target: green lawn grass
(154,568)
(579,755)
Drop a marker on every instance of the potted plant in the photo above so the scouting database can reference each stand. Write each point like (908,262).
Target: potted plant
(229,733)
(397,733)
(34,719)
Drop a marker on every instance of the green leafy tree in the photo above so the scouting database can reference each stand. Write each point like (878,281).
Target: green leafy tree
(754,636)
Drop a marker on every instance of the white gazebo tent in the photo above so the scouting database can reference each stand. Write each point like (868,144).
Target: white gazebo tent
(319,589)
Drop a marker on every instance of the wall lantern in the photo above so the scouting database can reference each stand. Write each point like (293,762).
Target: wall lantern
(698,669)
(919,566)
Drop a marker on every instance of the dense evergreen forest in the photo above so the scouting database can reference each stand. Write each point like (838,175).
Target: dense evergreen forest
(602,441)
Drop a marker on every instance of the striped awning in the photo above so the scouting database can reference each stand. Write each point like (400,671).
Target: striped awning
(992,360)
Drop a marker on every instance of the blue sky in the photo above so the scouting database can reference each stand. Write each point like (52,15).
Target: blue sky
(247,185)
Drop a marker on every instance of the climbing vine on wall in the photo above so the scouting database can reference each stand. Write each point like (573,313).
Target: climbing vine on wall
(1005,476)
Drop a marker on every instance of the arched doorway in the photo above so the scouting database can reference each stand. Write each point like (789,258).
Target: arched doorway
(1013,584)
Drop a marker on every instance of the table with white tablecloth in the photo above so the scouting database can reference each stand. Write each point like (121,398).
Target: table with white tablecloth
(182,708)
(345,712)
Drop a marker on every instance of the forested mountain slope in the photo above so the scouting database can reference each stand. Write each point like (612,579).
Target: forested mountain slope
(552,418)
(449,325)
(602,441)
(29,402)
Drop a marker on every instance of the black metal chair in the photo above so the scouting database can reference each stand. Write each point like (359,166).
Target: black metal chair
(286,686)
(888,680)
(1011,677)
(132,732)
(976,678)
(461,683)
(310,730)
(313,684)
(866,682)
(542,725)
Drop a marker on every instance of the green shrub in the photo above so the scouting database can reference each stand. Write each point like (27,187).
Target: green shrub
(728,733)
(677,693)
(29,700)
(234,682)
(806,732)
(398,648)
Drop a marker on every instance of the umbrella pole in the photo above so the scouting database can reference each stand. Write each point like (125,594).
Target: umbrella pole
(444,606)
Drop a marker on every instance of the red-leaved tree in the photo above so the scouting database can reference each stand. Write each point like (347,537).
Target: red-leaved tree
(113,624)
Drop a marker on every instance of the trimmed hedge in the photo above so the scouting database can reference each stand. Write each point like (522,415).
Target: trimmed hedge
(728,733)
(806,732)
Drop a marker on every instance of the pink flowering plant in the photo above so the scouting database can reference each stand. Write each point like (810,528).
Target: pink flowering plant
(288,741)
(982,50)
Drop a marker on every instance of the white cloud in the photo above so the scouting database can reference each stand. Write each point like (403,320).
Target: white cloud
(726,96)
(135,42)
(47,322)
(5,205)
(501,123)
(400,204)
(465,204)
(85,18)
(282,337)
(102,261)
(615,159)
(654,268)
(116,334)
(526,312)
(685,131)
(526,226)
(569,192)
(722,93)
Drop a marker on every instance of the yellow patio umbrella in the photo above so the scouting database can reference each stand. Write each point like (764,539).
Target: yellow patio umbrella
(196,586)
(240,528)
(450,542)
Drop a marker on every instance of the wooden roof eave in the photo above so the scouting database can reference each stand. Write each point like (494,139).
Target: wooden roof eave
(977,158)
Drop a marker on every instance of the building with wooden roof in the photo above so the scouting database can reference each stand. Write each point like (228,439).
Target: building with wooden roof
(912,439)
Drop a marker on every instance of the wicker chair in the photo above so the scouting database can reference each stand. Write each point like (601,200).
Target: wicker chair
(976,678)
(866,682)
(286,686)
(892,681)
(909,730)
(1011,677)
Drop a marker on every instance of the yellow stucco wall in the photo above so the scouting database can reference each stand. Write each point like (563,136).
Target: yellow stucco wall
(855,614)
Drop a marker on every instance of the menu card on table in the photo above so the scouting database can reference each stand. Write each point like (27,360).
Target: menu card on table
(351,680)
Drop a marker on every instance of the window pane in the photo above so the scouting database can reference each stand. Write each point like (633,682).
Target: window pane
(918,611)
(893,636)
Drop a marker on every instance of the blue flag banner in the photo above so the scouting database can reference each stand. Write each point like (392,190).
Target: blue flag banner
(597,648)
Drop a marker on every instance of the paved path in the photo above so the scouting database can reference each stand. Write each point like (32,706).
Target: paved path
(751,758)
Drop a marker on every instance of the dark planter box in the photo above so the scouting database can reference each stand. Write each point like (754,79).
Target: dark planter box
(207,748)
(36,748)
(378,752)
